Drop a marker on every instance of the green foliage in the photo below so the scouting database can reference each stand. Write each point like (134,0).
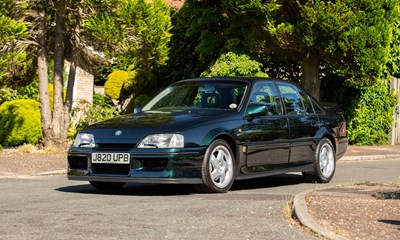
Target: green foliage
(369,114)
(231,64)
(137,32)
(352,36)
(100,110)
(11,29)
(101,100)
(7,94)
(139,81)
(25,92)
(20,121)
(115,83)
(196,23)
(103,70)
(150,23)
(1,148)
(30,91)
(393,66)
(5,6)
(11,58)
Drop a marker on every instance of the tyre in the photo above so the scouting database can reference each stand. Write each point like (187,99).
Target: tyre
(218,168)
(323,164)
(107,185)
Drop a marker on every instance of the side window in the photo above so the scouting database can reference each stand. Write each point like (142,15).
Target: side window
(264,93)
(291,99)
(308,109)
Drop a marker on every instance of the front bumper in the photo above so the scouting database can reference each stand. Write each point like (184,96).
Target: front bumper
(171,166)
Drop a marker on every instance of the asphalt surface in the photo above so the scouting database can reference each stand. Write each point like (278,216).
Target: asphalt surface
(51,207)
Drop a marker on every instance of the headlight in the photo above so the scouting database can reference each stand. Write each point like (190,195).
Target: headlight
(162,141)
(84,140)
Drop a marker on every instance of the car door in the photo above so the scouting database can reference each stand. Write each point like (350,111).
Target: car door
(266,133)
(303,123)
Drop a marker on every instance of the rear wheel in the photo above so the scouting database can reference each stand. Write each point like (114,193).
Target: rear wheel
(107,185)
(218,168)
(323,164)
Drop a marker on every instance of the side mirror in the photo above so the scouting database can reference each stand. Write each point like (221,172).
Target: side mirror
(137,110)
(256,110)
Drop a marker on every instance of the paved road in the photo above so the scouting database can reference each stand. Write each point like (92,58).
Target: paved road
(54,208)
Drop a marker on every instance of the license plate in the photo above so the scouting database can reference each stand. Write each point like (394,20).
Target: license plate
(111,158)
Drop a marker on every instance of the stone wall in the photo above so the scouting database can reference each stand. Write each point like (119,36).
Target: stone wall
(83,89)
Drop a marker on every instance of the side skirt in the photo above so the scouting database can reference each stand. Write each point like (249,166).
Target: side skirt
(249,175)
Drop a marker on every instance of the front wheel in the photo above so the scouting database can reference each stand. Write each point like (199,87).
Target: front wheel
(218,168)
(323,164)
(107,185)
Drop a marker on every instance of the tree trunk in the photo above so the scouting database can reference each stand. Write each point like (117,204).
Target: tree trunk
(70,88)
(310,75)
(72,72)
(44,98)
(59,131)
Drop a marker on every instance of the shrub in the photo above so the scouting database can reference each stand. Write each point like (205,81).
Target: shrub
(20,122)
(370,115)
(100,110)
(1,148)
(114,84)
(7,94)
(140,80)
(30,91)
(231,64)
(101,100)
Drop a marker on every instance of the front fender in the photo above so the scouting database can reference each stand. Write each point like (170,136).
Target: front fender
(215,133)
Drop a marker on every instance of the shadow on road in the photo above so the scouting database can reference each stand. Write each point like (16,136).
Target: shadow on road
(182,189)
(268,182)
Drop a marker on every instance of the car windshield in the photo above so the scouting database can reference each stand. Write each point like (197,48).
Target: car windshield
(203,95)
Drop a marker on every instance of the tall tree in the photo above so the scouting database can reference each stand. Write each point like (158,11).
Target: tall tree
(197,40)
(42,63)
(137,31)
(136,36)
(354,36)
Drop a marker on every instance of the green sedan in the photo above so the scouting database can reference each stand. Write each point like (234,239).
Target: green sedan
(209,132)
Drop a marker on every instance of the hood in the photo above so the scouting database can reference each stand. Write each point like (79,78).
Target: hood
(135,127)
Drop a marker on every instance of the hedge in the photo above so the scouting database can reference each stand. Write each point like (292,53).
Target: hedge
(20,122)
(115,83)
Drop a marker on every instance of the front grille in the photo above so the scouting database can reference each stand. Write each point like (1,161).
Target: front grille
(117,169)
(116,145)
(152,164)
(78,162)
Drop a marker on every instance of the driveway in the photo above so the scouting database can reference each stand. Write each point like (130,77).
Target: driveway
(52,207)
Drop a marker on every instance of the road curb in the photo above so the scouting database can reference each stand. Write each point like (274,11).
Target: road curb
(305,218)
(370,157)
(51,173)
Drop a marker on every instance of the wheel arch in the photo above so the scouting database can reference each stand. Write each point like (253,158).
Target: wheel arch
(331,139)
(228,139)
(324,133)
(222,134)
